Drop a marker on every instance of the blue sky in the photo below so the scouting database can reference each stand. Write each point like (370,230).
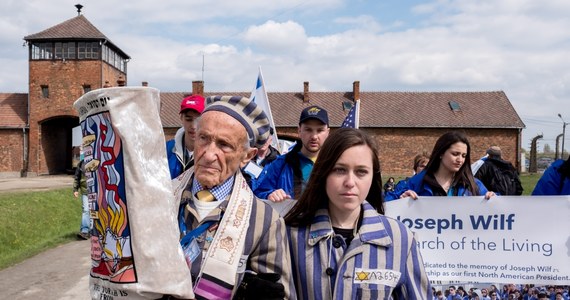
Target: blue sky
(521,47)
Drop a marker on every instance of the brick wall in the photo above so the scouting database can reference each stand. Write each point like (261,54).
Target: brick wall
(111,74)
(399,146)
(65,81)
(11,152)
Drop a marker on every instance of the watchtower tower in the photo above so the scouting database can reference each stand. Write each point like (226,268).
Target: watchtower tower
(65,61)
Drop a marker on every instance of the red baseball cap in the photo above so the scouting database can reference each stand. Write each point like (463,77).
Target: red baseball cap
(193,102)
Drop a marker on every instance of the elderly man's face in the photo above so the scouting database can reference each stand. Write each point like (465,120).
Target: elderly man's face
(219,148)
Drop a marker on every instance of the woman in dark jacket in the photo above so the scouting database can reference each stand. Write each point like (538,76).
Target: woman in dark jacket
(448,172)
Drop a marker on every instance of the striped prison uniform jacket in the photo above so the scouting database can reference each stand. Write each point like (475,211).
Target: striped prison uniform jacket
(266,246)
(382,261)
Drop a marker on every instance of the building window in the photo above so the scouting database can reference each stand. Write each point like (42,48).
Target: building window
(81,50)
(65,50)
(114,59)
(88,50)
(454,106)
(42,51)
(86,88)
(104,52)
(94,50)
(45,91)
(347,105)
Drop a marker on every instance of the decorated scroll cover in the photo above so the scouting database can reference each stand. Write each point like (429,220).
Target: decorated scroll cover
(135,249)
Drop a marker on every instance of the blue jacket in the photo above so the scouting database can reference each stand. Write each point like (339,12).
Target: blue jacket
(416,183)
(551,183)
(277,175)
(175,153)
(399,189)
(325,267)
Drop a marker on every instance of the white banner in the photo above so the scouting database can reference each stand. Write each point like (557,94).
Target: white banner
(518,239)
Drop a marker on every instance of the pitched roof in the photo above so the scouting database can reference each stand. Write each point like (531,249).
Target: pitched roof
(75,28)
(377,109)
(78,27)
(433,109)
(383,109)
(13,110)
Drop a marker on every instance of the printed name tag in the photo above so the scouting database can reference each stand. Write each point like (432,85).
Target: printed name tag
(253,169)
(377,276)
(191,252)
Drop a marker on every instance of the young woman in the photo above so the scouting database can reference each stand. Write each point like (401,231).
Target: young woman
(342,245)
(389,186)
(448,172)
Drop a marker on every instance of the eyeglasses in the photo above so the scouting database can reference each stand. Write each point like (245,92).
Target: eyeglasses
(495,295)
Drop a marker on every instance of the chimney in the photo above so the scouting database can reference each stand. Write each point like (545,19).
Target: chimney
(145,83)
(121,81)
(306,92)
(198,87)
(356,90)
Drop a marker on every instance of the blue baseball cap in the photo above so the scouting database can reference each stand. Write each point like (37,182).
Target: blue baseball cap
(314,112)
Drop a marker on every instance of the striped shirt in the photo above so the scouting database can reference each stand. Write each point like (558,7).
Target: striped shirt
(382,261)
(266,245)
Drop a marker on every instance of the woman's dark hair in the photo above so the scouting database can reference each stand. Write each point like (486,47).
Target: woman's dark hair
(315,194)
(463,177)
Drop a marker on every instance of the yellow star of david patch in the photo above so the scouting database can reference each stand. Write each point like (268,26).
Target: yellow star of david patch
(362,275)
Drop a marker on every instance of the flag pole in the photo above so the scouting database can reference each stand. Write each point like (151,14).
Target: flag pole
(357,114)
(259,96)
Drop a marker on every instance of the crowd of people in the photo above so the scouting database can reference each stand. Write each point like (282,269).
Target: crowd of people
(338,219)
(344,232)
(335,242)
(506,292)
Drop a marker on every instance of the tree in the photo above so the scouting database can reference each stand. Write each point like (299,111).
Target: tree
(547,149)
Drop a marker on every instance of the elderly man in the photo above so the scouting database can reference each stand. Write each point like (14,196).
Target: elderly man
(235,244)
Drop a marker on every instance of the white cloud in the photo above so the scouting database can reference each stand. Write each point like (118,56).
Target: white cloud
(277,37)
(519,46)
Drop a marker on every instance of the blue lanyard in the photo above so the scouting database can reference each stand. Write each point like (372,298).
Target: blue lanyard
(181,223)
(190,236)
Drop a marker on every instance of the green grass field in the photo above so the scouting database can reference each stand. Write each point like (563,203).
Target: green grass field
(528,182)
(31,222)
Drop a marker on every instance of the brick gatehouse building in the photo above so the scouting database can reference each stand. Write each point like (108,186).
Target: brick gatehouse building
(74,57)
